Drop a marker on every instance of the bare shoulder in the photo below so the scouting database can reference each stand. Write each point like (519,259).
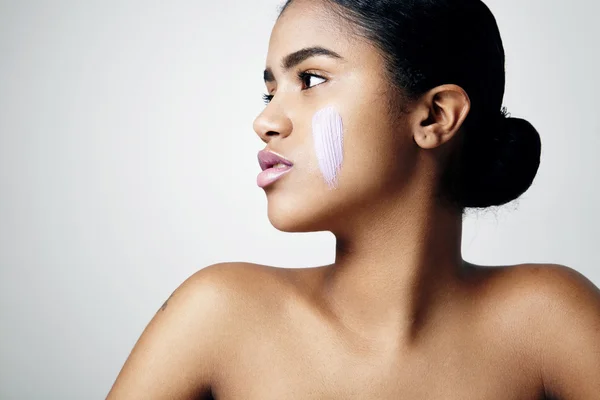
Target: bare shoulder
(543,293)
(263,282)
(554,288)
(246,281)
(236,273)
(188,343)
(253,294)
(558,309)
(228,287)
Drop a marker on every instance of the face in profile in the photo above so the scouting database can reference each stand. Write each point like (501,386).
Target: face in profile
(328,113)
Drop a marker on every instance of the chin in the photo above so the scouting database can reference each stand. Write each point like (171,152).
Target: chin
(305,214)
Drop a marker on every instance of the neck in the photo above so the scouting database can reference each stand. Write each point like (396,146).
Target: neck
(395,268)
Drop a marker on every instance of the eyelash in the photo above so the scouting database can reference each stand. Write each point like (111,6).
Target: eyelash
(301,75)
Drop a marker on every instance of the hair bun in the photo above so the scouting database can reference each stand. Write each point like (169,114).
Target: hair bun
(500,167)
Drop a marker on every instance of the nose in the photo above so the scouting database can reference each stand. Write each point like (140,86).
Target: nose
(272,122)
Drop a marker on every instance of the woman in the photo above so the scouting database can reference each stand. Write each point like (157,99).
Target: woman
(386,118)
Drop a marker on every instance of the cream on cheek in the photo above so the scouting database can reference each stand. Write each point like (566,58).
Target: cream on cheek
(328,138)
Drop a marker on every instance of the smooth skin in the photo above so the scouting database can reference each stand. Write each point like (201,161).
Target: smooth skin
(399,314)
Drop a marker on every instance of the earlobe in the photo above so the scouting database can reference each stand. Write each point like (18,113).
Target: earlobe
(426,138)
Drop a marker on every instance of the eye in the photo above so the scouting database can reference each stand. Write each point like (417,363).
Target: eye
(306,79)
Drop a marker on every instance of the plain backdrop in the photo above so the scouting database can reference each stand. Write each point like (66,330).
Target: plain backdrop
(128,162)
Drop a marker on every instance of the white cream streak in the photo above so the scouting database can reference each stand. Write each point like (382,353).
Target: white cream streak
(328,137)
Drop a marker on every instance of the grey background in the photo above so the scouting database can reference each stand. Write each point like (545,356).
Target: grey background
(128,162)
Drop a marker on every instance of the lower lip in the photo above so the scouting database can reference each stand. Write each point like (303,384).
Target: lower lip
(270,175)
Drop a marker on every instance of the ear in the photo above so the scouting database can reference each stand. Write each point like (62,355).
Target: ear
(439,115)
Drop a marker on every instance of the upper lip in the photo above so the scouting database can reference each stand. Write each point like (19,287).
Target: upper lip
(268,158)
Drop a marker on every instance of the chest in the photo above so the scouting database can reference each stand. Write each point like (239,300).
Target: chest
(322,369)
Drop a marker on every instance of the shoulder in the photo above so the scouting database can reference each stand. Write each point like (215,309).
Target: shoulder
(554,288)
(225,274)
(551,294)
(560,308)
(188,343)
(549,285)
(247,281)
(237,282)
(252,293)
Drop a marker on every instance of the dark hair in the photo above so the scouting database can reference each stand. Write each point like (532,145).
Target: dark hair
(427,43)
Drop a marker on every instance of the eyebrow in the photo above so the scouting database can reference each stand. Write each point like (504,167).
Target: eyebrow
(295,58)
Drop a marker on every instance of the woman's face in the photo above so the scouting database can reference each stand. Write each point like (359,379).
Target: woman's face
(346,77)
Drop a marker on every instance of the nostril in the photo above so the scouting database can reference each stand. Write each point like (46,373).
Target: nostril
(271,133)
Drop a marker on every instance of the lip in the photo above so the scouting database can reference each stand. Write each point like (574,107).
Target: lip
(266,160)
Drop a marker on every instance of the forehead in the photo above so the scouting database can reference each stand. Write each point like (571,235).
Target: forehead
(308,23)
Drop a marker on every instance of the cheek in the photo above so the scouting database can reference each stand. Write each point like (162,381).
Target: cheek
(328,138)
